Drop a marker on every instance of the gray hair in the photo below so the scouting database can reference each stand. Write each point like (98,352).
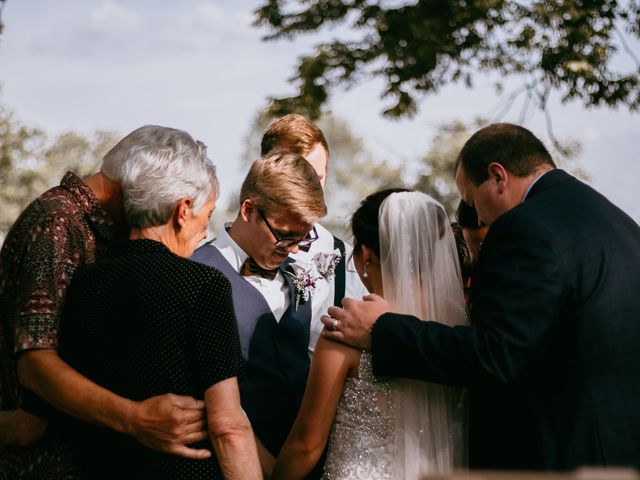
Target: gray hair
(158,166)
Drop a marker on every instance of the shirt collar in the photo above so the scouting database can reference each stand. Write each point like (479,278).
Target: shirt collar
(230,250)
(524,197)
(137,247)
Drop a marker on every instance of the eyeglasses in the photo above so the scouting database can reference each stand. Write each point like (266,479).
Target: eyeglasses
(282,242)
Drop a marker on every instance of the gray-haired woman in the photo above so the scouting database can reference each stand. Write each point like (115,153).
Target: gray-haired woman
(146,320)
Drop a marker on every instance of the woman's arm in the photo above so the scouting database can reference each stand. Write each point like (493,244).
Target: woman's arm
(230,432)
(166,423)
(332,363)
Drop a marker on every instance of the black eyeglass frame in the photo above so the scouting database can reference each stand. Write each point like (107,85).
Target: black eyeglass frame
(282,242)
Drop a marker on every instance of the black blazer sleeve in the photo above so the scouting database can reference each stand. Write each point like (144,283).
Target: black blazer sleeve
(516,304)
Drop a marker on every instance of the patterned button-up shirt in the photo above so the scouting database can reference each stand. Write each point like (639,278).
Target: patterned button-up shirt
(58,232)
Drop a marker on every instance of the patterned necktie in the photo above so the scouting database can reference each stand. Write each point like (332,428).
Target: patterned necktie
(251,268)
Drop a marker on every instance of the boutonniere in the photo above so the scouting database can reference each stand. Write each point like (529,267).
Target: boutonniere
(326,263)
(304,281)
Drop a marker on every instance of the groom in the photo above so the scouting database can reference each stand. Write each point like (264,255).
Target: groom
(280,200)
(551,354)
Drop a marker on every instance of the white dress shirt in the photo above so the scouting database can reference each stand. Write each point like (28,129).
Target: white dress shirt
(322,295)
(275,292)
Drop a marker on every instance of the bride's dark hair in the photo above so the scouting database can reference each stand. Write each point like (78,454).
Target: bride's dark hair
(364,221)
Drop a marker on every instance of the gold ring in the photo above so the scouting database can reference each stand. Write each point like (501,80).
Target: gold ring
(334,327)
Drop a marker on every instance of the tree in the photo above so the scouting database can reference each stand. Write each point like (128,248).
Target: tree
(19,147)
(32,161)
(437,176)
(417,47)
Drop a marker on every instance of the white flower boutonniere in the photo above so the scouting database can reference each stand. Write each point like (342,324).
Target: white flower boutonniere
(304,281)
(326,263)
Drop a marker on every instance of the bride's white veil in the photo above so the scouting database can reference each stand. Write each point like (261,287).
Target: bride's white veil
(421,277)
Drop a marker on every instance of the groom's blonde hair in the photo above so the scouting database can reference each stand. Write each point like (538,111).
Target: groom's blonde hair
(283,180)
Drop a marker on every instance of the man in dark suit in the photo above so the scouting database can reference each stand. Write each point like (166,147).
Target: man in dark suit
(551,354)
(280,200)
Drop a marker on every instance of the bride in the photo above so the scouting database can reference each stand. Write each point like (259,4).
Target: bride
(381,428)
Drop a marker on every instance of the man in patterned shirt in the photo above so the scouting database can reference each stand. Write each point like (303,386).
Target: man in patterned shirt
(61,230)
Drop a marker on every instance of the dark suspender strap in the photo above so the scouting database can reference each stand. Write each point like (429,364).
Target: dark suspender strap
(341,273)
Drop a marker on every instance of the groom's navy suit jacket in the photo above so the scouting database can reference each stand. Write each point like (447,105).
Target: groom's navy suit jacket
(275,353)
(552,353)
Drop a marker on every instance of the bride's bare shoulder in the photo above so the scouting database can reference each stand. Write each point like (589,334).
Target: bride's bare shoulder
(339,353)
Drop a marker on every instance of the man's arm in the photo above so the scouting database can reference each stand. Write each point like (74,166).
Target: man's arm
(165,423)
(20,428)
(517,306)
(517,302)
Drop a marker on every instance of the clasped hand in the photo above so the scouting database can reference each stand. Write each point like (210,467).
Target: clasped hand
(170,423)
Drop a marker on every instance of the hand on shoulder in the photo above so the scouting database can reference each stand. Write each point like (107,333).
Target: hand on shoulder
(352,324)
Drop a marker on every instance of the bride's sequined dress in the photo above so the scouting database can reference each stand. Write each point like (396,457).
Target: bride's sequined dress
(363,435)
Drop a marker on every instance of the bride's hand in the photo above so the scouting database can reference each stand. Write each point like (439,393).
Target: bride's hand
(352,324)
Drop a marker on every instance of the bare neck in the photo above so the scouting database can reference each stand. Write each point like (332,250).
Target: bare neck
(240,235)
(109,193)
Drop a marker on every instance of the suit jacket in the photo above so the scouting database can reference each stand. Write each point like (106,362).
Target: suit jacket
(551,356)
(275,353)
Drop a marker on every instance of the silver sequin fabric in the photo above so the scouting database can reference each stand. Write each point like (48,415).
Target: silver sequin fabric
(362,437)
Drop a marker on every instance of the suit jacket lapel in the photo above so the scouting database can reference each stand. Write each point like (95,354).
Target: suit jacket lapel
(287,272)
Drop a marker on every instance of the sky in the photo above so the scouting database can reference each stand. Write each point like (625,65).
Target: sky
(200,65)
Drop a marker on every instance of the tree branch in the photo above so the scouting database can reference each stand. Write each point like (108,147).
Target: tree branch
(626,47)
(1,8)
(418,47)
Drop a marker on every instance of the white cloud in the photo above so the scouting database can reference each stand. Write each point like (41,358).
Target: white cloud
(210,13)
(111,16)
(591,134)
(224,20)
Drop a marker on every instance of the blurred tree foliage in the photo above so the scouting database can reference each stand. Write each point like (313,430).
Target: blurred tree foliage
(1,8)
(32,161)
(416,47)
